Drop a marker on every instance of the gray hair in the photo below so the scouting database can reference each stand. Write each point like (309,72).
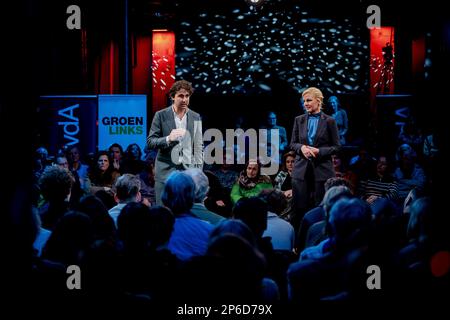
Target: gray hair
(178,193)
(127,187)
(333,195)
(201,184)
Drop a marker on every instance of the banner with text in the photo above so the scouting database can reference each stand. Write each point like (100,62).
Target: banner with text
(122,119)
(67,120)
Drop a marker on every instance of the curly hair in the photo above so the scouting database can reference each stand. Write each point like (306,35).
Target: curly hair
(55,183)
(181,84)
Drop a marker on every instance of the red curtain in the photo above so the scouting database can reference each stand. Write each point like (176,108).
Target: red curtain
(141,63)
(163,67)
(107,70)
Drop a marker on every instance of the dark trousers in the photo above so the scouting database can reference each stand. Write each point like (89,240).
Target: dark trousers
(159,187)
(307,193)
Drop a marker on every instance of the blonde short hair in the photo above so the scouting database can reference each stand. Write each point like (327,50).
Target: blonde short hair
(316,93)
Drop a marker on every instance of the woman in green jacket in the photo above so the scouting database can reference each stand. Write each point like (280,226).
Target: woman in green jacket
(250,182)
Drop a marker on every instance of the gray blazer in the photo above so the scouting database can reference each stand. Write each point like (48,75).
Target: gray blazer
(163,123)
(326,140)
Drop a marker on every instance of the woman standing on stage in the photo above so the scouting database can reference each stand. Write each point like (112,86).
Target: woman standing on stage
(315,138)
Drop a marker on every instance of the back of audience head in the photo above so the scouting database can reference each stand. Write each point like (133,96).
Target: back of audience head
(71,237)
(275,199)
(201,184)
(102,222)
(234,226)
(127,188)
(142,228)
(333,195)
(412,196)
(337,181)
(237,251)
(350,222)
(56,183)
(419,224)
(134,225)
(253,212)
(179,192)
(162,222)
(107,198)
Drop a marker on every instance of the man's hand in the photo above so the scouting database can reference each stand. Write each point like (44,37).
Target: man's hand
(288,193)
(176,134)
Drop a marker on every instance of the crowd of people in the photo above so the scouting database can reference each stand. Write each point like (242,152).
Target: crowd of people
(228,233)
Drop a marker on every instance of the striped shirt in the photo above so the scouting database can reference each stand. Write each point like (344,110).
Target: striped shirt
(379,188)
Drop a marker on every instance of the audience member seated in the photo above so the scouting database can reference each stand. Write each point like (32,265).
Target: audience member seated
(250,182)
(317,237)
(283,183)
(201,190)
(115,152)
(362,164)
(341,170)
(225,173)
(102,223)
(232,271)
(132,160)
(234,226)
(408,174)
(147,177)
(76,191)
(317,214)
(411,135)
(55,185)
(102,175)
(415,277)
(253,212)
(147,267)
(190,235)
(280,231)
(126,190)
(335,275)
(218,199)
(75,165)
(70,239)
(41,236)
(381,184)
(41,161)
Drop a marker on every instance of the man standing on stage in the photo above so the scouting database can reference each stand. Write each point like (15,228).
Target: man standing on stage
(176,132)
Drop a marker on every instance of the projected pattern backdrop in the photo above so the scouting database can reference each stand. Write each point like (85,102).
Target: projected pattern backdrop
(245,50)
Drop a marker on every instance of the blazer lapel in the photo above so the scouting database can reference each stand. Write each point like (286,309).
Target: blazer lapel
(320,128)
(304,130)
(190,125)
(170,119)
